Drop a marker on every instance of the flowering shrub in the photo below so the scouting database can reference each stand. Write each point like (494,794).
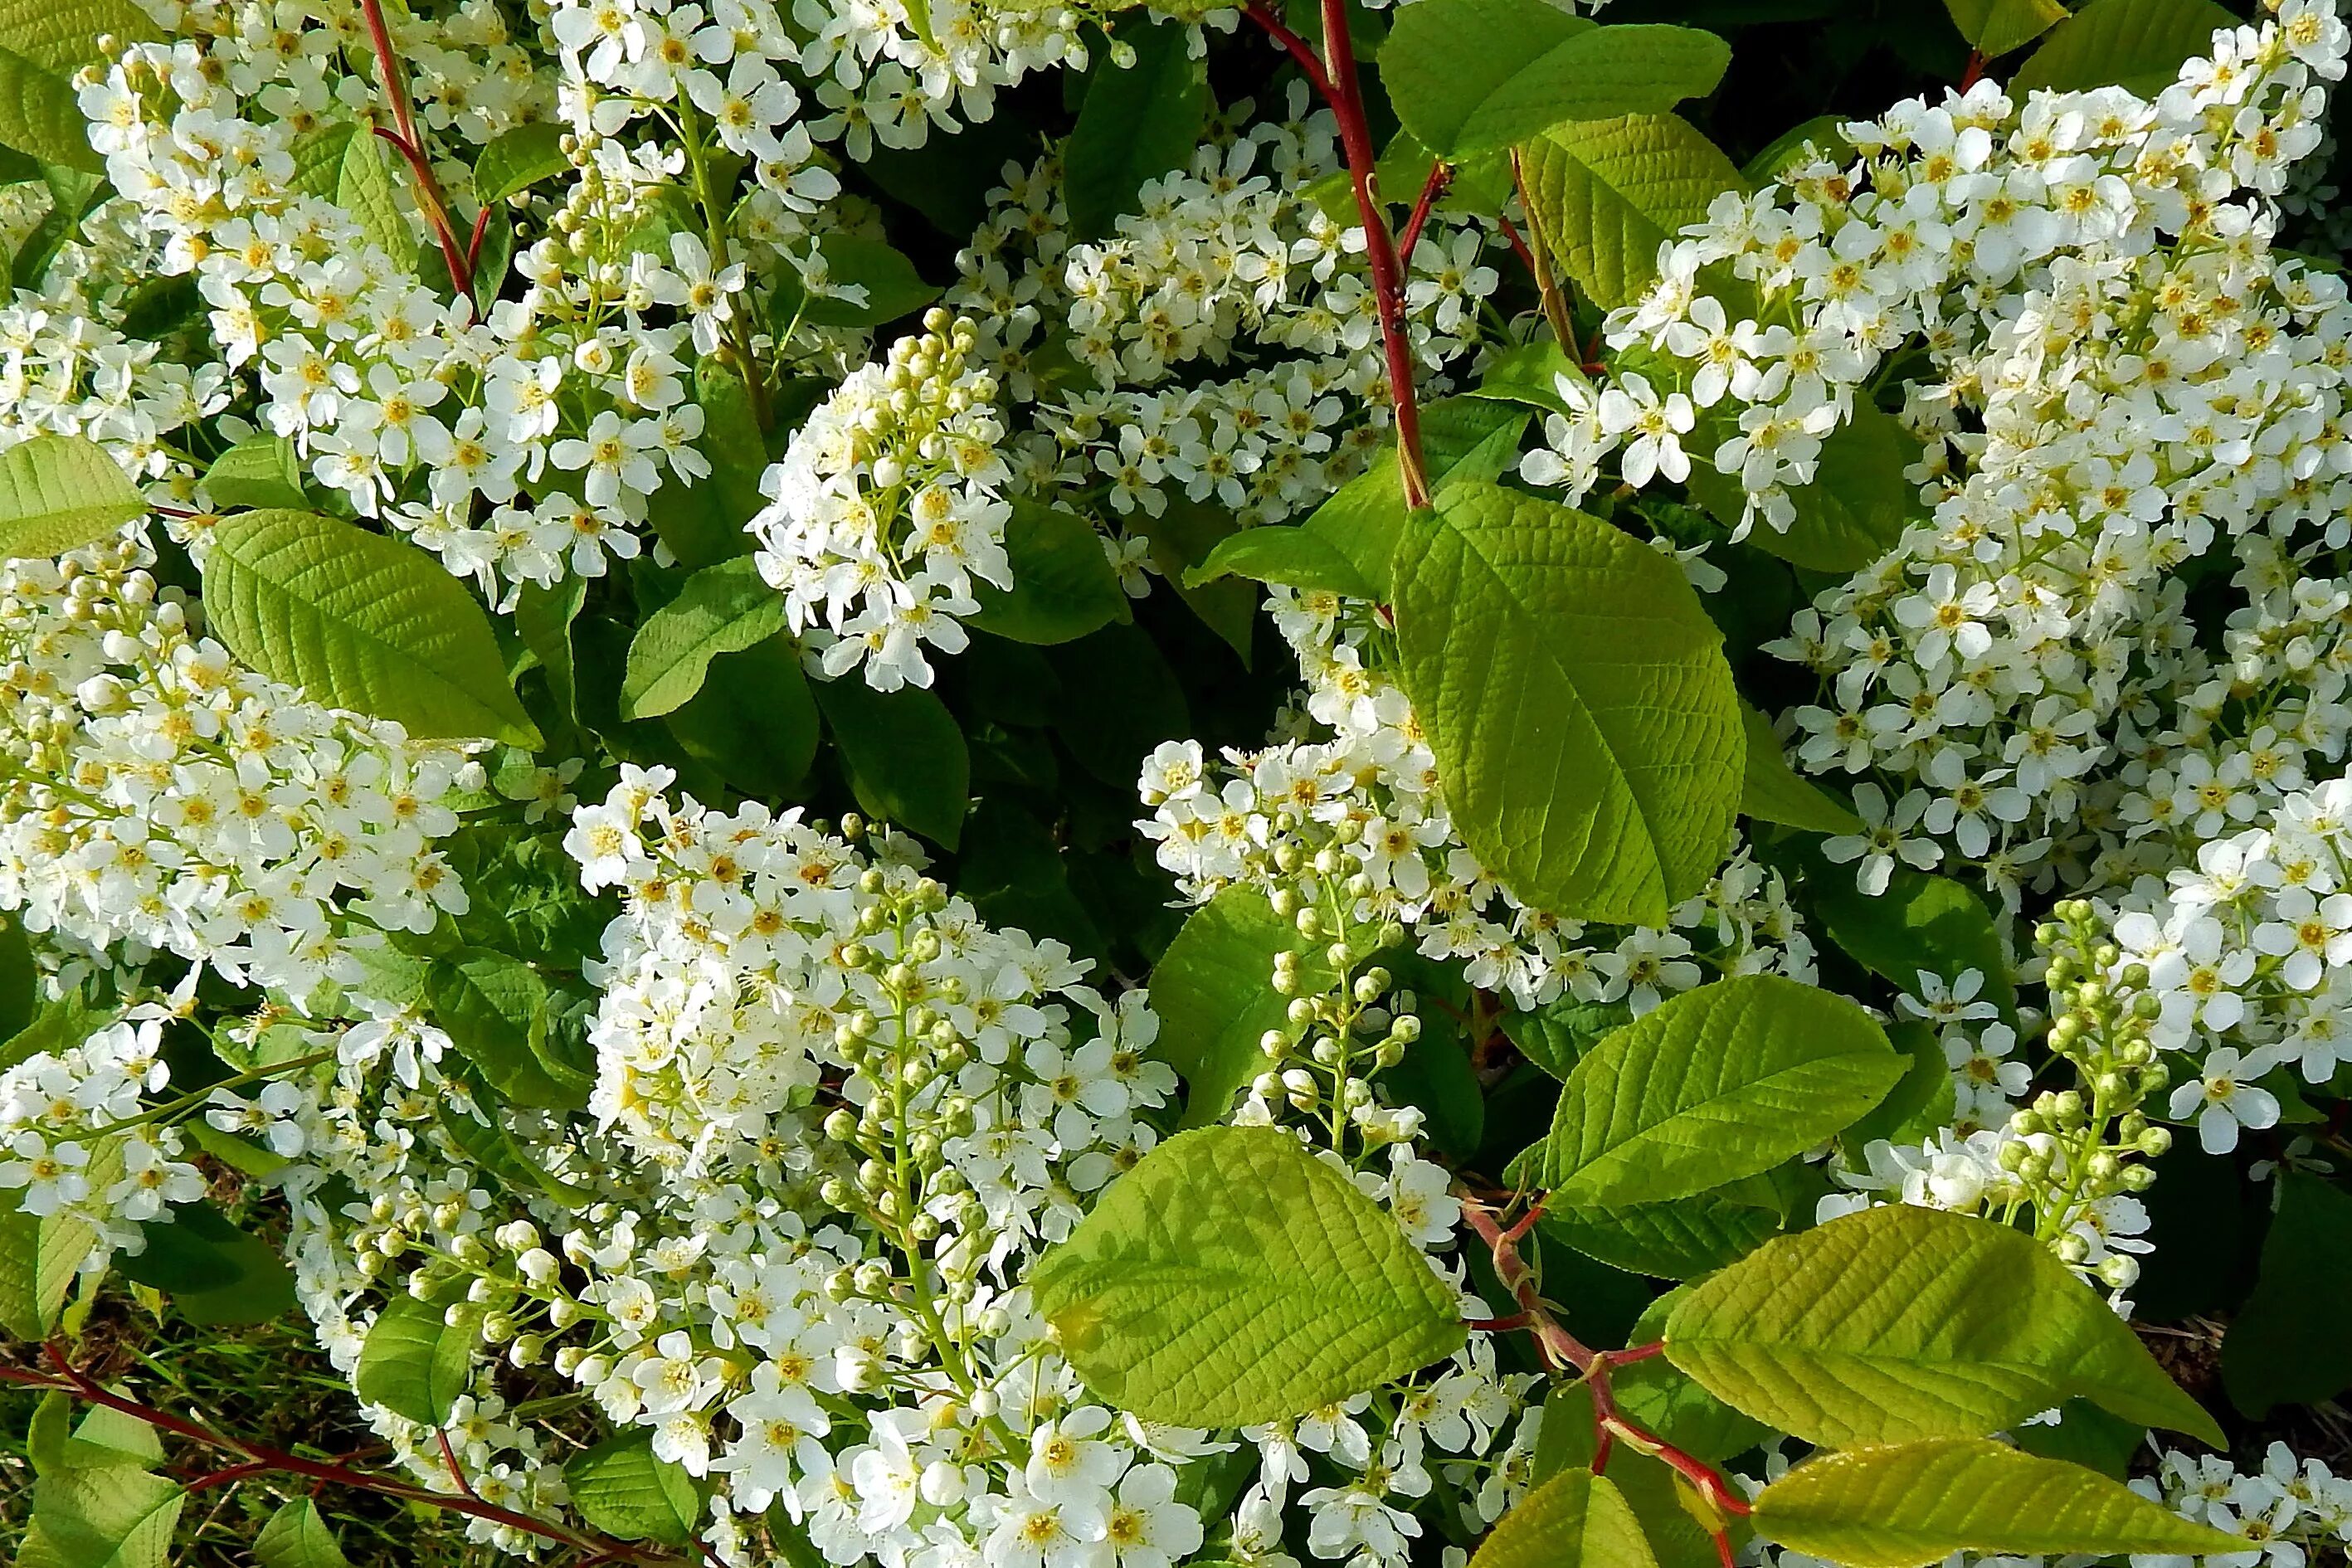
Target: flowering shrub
(989,785)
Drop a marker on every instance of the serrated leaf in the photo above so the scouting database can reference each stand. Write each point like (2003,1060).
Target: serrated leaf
(1470,76)
(318,160)
(1556,1036)
(1232,1277)
(412,1363)
(2290,1344)
(1578,700)
(1346,544)
(297,1536)
(1576,1519)
(1716,1084)
(494,1008)
(621,1487)
(1852,511)
(1994,27)
(104,1437)
(39,115)
(62,36)
(361,622)
(721,609)
(1135,125)
(1529,374)
(103,1517)
(1770,791)
(2137,45)
(518,160)
(259,471)
(365,188)
(1676,1239)
(1899,1323)
(1608,193)
(1904,1505)
(908,760)
(1063,584)
(60,492)
(1214,990)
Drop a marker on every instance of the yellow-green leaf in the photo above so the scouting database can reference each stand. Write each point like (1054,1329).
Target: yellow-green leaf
(1901,1323)
(1920,1502)
(1608,193)
(60,492)
(1576,1519)
(1232,1277)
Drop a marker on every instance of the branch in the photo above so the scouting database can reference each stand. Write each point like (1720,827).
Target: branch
(1337,82)
(256,1459)
(1555,304)
(403,136)
(1440,177)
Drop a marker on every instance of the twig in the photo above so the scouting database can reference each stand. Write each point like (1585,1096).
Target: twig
(1440,177)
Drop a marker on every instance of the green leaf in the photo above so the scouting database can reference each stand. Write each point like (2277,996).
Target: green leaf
(103,1517)
(1662,1505)
(259,471)
(62,36)
(366,188)
(1608,193)
(1899,1324)
(1346,545)
(1576,1519)
(1770,790)
(60,492)
(1921,922)
(737,450)
(1469,76)
(161,306)
(20,989)
(1063,584)
(721,609)
(1577,698)
(542,619)
(214,1272)
(319,159)
(893,288)
(103,1439)
(1918,1503)
(2137,45)
(1852,512)
(39,115)
(1136,125)
(41,1257)
(754,721)
(1556,1036)
(2290,1344)
(361,622)
(297,1536)
(1994,27)
(1676,1239)
(414,1364)
(1214,990)
(906,755)
(519,160)
(1715,1084)
(494,1009)
(622,1488)
(1232,1277)
(1529,374)
(1921,1101)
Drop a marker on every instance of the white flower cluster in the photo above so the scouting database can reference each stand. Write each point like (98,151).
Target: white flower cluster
(2124,379)
(885,508)
(2287,1510)
(1361,812)
(59,1156)
(1230,258)
(836,1116)
(155,797)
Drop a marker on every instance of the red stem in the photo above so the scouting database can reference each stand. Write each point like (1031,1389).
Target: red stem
(257,1459)
(449,1458)
(412,147)
(1974,71)
(1337,82)
(1518,244)
(1440,177)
